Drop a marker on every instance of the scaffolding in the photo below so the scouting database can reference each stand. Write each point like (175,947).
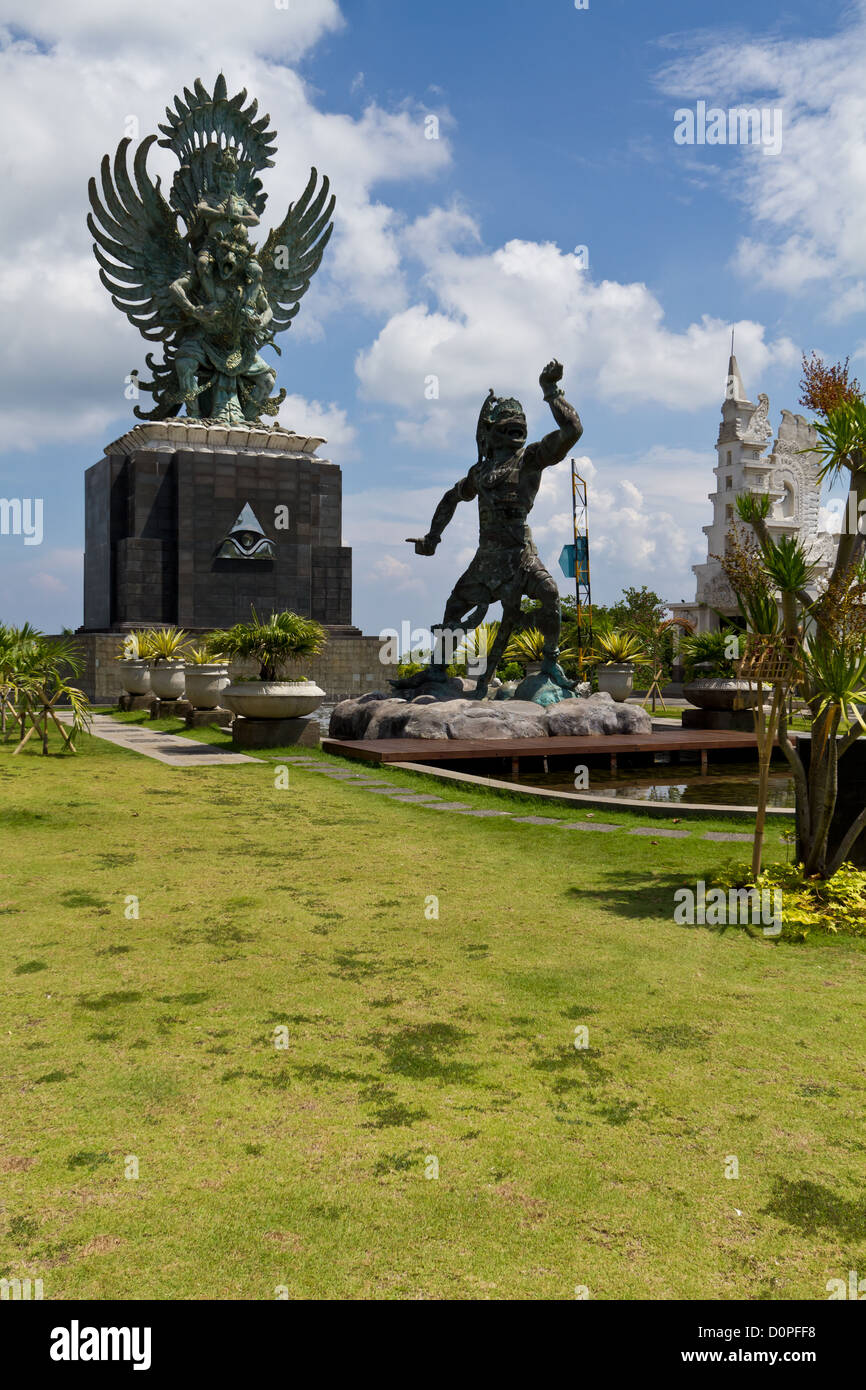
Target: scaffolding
(580,510)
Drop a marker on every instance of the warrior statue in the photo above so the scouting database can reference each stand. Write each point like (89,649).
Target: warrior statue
(506,566)
(205,292)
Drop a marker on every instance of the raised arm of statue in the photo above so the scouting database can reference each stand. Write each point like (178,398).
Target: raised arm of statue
(464,491)
(554,447)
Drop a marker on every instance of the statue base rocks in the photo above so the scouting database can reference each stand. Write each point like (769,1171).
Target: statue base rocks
(381,716)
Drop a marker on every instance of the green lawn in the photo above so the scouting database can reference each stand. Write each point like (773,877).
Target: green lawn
(410,1039)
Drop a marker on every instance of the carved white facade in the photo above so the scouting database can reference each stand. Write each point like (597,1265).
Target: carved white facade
(787,473)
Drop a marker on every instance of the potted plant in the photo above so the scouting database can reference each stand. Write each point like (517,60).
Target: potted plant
(167,647)
(710,673)
(207,675)
(284,638)
(616,654)
(135,666)
(527,647)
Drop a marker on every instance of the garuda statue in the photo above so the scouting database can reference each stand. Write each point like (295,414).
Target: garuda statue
(204,290)
(506,567)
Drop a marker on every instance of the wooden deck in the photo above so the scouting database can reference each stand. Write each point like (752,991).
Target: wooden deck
(440,750)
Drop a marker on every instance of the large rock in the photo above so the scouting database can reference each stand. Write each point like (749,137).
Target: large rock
(596,714)
(474,719)
(377,716)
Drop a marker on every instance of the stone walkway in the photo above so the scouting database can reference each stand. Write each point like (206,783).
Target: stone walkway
(377,787)
(177,751)
(172,749)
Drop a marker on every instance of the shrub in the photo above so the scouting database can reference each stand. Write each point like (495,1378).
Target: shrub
(834,905)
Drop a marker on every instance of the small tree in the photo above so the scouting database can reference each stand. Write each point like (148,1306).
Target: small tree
(284,638)
(828,633)
(41,683)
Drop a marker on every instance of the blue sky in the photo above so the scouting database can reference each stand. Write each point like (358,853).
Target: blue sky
(453,257)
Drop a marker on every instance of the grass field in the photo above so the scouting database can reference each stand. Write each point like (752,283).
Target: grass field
(415,1043)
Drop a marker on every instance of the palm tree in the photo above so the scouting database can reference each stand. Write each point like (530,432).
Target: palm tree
(655,638)
(13,640)
(284,638)
(41,681)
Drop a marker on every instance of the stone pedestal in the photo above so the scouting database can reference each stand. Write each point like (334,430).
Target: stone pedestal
(128,702)
(192,524)
(734,720)
(275,733)
(169,709)
(200,718)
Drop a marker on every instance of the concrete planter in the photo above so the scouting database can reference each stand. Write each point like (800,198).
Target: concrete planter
(167,681)
(616,679)
(135,677)
(272,699)
(205,684)
(719,692)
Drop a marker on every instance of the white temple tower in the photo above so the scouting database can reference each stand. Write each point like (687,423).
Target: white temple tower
(789,475)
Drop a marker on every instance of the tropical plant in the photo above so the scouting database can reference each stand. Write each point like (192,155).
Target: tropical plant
(477,644)
(40,679)
(14,641)
(835,905)
(528,645)
(136,645)
(658,640)
(829,663)
(284,638)
(510,671)
(714,651)
(617,647)
(203,656)
(166,644)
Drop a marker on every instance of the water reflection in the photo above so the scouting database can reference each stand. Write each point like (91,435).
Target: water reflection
(727,784)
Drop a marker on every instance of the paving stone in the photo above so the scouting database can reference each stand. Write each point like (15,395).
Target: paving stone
(418,798)
(385,791)
(382,786)
(165,748)
(452,806)
(470,812)
(726,835)
(667,834)
(536,820)
(587,825)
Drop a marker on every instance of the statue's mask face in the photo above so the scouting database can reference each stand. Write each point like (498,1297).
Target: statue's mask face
(508,433)
(226,179)
(227,259)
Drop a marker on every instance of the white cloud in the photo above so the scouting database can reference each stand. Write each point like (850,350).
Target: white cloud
(807,199)
(285,30)
(330,422)
(493,312)
(69,98)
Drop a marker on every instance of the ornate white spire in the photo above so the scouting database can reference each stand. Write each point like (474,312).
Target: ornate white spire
(734,388)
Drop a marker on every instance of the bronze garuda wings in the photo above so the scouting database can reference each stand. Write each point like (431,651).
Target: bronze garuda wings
(184,270)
